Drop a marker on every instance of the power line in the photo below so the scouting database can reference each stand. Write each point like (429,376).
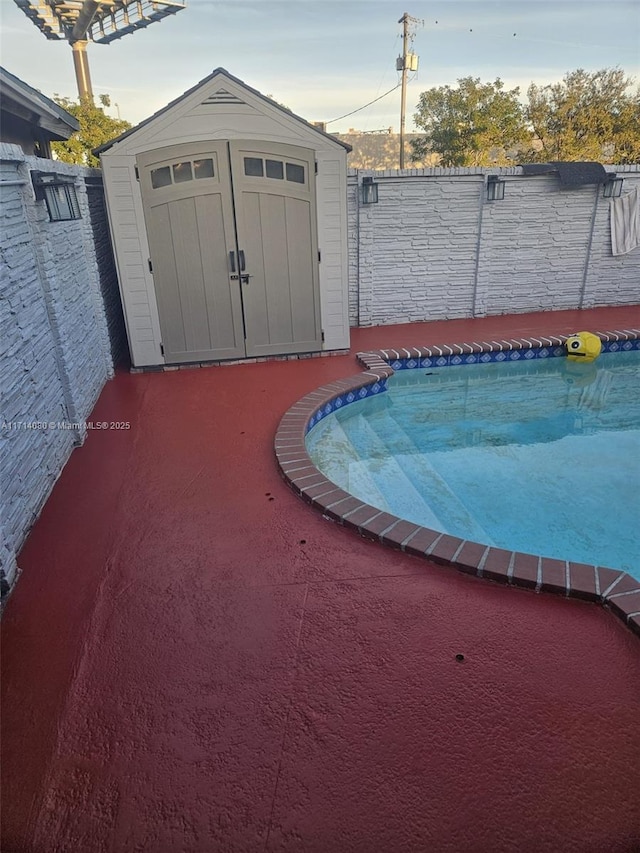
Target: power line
(353,112)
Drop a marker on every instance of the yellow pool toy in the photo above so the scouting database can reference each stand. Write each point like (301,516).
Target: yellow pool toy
(583,346)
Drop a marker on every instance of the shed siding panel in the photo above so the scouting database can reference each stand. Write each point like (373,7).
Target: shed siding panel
(131,253)
(332,225)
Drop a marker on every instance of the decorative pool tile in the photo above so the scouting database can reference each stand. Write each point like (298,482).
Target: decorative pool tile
(494,351)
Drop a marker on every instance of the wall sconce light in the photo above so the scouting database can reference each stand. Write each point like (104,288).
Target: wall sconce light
(495,188)
(369,191)
(612,186)
(59,193)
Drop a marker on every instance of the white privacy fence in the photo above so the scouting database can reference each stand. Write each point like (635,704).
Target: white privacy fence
(433,247)
(59,334)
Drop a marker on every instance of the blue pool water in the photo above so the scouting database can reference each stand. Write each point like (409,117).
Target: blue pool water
(541,457)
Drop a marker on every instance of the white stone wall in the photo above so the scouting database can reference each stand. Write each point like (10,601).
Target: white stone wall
(54,347)
(434,248)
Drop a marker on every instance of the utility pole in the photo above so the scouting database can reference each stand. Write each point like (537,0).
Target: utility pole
(407,62)
(404,20)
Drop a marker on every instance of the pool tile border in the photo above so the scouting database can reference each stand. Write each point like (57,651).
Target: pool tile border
(612,588)
(486,352)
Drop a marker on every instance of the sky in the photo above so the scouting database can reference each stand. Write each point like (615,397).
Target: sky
(326,58)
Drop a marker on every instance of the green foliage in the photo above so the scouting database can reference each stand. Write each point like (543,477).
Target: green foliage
(626,140)
(96,128)
(588,116)
(475,124)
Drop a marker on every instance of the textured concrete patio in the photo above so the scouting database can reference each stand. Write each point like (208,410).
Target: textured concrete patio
(194,660)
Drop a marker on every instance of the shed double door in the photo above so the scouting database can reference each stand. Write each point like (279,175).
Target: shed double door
(233,242)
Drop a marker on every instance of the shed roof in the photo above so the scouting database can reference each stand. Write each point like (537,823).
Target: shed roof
(20,99)
(220,72)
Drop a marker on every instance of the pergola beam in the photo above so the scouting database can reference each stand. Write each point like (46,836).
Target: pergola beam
(84,20)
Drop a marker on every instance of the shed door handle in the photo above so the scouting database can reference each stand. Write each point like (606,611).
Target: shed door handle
(241,260)
(232,261)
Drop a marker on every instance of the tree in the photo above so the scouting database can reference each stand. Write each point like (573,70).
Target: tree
(96,128)
(475,124)
(588,116)
(626,142)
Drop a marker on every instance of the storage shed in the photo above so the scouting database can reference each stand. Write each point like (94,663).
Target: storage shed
(229,226)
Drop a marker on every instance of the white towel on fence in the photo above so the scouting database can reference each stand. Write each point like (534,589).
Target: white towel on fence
(625,222)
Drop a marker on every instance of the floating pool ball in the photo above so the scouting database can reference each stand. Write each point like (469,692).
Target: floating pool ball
(583,346)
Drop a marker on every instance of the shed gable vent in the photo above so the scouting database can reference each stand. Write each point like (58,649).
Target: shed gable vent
(222,97)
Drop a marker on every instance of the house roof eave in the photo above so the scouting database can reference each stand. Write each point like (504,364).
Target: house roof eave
(45,113)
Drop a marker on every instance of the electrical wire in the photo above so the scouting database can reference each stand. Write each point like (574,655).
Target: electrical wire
(353,112)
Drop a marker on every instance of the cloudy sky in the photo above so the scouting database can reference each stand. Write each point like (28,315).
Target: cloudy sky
(325,58)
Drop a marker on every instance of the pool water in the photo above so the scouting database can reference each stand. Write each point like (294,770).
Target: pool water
(541,457)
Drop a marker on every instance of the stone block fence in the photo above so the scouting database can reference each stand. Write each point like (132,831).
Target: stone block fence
(434,248)
(61,332)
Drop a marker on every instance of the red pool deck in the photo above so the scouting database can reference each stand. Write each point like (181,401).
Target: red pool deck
(194,660)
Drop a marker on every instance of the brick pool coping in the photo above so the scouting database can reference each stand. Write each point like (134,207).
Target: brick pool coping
(610,587)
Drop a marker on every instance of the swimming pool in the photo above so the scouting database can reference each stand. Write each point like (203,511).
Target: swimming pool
(539,456)
(612,587)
